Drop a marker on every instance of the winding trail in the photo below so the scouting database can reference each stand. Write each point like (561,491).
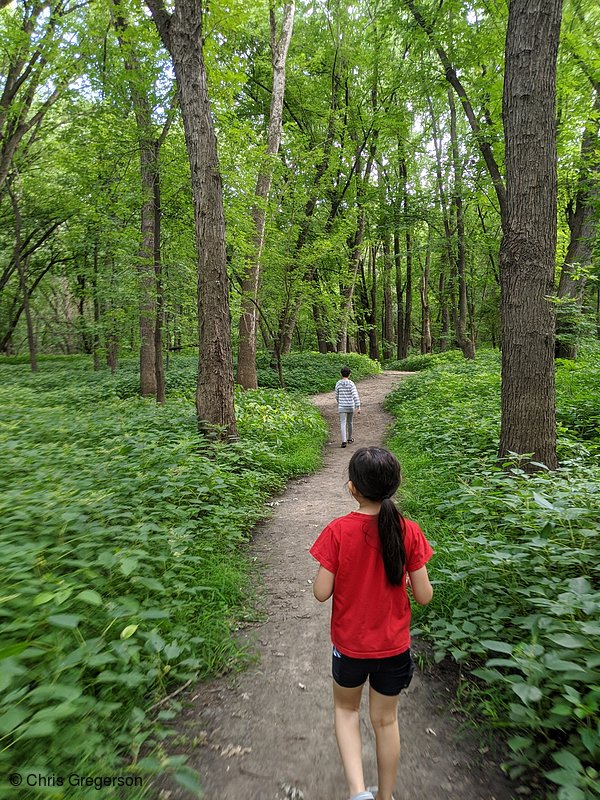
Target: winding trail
(267,733)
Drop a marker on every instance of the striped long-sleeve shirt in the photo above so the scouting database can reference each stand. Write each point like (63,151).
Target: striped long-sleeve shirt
(346,395)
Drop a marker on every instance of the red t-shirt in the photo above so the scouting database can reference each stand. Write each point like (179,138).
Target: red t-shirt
(370,618)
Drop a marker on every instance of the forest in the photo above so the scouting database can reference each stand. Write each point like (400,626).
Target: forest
(207,207)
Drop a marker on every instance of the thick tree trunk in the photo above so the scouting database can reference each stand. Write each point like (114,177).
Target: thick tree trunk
(246,363)
(181,33)
(527,251)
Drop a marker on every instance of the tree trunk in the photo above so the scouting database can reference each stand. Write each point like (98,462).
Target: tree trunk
(583,223)
(425,319)
(96,307)
(527,251)
(246,364)
(464,342)
(319,330)
(22,272)
(399,293)
(444,313)
(388,321)
(348,291)
(372,311)
(181,33)
(159,370)
(406,334)
(148,171)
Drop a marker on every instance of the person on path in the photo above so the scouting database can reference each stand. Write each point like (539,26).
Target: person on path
(368,559)
(348,401)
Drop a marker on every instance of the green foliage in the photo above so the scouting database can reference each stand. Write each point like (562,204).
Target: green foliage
(517,581)
(310,373)
(417,363)
(122,561)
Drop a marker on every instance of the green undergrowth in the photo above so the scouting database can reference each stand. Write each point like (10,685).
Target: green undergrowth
(417,362)
(123,564)
(305,373)
(311,373)
(517,564)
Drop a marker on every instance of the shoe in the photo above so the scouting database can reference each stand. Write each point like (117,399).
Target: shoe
(350,441)
(373,790)
(343,444)
(363,796)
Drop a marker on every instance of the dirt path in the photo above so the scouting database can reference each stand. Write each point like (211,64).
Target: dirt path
(267,734)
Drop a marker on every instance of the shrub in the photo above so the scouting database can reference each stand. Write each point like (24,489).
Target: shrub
(311,373)
(417,362)
(517,582)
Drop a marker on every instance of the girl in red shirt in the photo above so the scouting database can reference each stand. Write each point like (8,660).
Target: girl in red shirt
(367,559)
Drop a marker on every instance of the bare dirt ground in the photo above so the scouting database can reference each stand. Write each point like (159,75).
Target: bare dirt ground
(267,733)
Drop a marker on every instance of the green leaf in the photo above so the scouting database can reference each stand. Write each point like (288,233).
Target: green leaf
(488,675)
(43,597)
(527,693)
(541,501)
(571,793)
(127,632)
(567,640)
(10,650)
(501,647)
(128,565)
(39,730)
(64,620)
(12,719)
(91,597)
(568,761)
(519,743)
(190,780)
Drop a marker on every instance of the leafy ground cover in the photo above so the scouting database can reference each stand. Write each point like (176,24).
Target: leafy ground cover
(312,373)
(517,600)
(306,373)
(122,561)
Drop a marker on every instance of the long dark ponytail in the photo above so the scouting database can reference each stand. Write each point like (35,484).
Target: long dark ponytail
(375,472)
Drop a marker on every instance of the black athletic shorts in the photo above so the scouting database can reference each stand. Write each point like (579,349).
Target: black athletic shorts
(386,675)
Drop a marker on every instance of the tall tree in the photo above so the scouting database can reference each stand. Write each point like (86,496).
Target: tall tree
(528,248)
(246,365)
(149,175)
(182,34)
(582,218)
(465,343)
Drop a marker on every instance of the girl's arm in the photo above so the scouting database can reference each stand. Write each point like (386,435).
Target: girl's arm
(323,585)
(421,587)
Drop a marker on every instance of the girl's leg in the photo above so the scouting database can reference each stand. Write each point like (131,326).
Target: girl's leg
(347,732)
(350,418)
(343,425)
(383,711)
